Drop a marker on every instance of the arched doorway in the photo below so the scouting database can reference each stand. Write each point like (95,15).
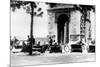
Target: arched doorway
(62,23)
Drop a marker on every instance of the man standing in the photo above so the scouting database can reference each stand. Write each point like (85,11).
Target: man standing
(31,41)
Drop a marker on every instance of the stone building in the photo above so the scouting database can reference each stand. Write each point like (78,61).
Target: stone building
(66,23)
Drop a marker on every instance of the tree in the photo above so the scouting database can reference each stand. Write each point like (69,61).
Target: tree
(17,4)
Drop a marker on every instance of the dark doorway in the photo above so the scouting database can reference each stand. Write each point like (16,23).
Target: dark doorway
(62,19)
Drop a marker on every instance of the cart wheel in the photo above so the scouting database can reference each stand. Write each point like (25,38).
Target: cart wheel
(67,49)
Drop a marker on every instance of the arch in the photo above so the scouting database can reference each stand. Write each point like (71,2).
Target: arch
(62,21)
(62,18)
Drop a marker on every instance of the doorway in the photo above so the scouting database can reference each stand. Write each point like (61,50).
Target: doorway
(62,23)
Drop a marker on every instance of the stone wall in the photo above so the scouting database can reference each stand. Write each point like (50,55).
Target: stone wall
(74,24)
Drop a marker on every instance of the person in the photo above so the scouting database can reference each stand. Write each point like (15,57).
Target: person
(50,41)
(11,44)
(31,40)
(11,41)
(28,38)
(38,43)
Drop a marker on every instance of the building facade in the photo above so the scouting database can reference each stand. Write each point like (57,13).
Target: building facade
(68,23)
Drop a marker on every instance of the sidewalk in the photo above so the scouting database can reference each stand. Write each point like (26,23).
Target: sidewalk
(51,58)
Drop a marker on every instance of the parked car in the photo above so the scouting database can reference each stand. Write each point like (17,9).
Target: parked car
(55,49)
(91,48)
(76,48)
(40,49)
(18,45)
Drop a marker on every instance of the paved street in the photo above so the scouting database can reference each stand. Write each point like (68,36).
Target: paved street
(23,59)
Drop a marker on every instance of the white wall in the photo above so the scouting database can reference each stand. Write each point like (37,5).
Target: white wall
(52,25)
(74,24)
(93,24)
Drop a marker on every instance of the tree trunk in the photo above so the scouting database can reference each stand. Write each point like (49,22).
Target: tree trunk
(31,28)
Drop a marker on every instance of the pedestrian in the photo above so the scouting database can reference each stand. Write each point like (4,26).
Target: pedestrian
(50,41)
(38,43)
(31,40)
(28,40)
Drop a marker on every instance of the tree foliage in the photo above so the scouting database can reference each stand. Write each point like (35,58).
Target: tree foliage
(26,5)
